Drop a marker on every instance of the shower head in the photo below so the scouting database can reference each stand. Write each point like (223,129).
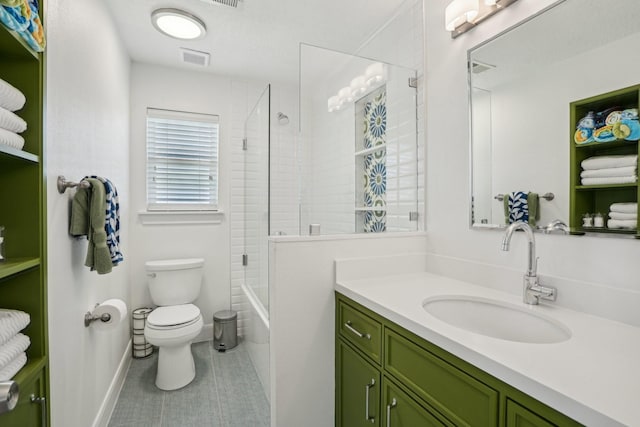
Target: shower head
(283,119)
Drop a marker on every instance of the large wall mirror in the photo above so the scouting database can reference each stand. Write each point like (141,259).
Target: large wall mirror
(522,85)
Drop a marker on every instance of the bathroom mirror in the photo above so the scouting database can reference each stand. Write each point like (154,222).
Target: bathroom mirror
(521,84)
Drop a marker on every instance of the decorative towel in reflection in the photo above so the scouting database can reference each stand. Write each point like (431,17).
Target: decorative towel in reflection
(603,162)
(11,3)
(24,19)
(10,97)
(13,367)
(87,219)
(624,207)
(12,349)
(521,206)
(112,220)
(630,224)
(12,322)
(16,18)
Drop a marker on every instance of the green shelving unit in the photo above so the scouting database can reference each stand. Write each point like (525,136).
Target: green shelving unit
(597,198)
(22,212)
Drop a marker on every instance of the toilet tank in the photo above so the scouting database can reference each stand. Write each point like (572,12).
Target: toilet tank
(174,281)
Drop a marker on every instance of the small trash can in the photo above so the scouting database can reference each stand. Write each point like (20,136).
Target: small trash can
(225,330)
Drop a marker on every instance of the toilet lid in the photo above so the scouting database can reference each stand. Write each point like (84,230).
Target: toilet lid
(173,315)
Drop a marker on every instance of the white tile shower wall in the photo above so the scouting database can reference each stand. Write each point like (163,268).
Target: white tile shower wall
(327,161)
(401,42)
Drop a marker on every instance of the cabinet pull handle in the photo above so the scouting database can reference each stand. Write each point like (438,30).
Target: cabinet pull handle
(43,405)
(392,405)
(355,331)
(366,405)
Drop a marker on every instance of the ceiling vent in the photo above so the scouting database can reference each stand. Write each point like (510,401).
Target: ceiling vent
(194,57)
(232,3)
(478,67)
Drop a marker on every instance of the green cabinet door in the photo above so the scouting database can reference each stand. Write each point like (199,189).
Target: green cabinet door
(400,410)
(519,416)
(357,389)
(27,413)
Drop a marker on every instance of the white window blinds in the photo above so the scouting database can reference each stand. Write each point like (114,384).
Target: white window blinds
(182,160)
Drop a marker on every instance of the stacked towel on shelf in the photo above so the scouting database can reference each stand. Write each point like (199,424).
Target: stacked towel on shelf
(603,170)
(623,215)
(11,99)
(23,17)
(13,344)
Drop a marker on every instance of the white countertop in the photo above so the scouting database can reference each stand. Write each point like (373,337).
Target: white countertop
(594,377)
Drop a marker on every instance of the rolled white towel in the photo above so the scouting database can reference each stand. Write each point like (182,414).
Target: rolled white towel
(13,367)
(621,215)
(10,97)
(11,139)
(12,348)
(12,322)
(609,172)
(609,180)
(622,223)
(604,162)
(624,207)
(11,121)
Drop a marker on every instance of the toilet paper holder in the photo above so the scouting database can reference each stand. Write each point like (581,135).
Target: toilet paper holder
(89,317)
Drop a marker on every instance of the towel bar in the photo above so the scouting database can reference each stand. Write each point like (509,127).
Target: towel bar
(63,184)
(546,196)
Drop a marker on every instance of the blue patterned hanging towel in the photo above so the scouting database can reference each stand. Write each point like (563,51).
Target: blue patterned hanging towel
(112,220)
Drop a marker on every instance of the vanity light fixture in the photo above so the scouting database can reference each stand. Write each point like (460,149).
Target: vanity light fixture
(358,87)
(178,24)
(463,15)
(333,104)
(344,95)
(376,73)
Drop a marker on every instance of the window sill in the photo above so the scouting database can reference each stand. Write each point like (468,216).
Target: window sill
(179,218)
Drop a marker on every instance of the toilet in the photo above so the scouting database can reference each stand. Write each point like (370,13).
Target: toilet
(174,324)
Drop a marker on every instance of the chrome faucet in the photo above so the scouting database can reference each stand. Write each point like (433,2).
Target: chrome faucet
(532,290)
(556,225)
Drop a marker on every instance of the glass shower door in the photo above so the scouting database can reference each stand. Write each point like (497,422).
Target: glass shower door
(256,200)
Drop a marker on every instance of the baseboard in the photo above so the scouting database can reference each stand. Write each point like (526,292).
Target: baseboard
(109,403)
(206,334)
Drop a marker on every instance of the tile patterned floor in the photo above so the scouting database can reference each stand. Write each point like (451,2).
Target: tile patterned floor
(225,393)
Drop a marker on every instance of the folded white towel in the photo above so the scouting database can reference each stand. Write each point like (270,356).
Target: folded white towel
(11,121)
(11,139)
(12,322)
(609,172)
(622,223)
(12,348)
(602,162)
(609,180)
(10,97)
(624,207)
(13,367)
(621,215)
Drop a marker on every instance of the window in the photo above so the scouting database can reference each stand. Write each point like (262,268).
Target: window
(182,161)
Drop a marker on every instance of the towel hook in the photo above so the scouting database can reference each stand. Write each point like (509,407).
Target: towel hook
(63,184)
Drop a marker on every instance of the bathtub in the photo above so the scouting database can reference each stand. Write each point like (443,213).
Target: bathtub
(256,334)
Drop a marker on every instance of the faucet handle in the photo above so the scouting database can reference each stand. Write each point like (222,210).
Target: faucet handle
(544,292)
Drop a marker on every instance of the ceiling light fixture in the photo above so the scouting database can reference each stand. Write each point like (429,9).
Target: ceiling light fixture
(462,15)
(178,24)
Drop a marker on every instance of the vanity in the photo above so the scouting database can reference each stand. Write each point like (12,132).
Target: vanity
(398,363)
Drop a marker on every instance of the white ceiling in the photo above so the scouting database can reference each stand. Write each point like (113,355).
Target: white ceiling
(259,39)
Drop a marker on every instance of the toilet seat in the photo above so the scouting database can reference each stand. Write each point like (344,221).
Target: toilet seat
(173,317)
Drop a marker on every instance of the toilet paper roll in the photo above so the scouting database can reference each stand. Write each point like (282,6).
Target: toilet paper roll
(116,308)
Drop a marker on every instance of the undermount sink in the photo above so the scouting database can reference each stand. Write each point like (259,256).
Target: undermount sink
(496,319)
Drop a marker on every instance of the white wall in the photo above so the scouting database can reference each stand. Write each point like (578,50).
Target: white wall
(173,89)
(302,276)
(87,132)
(607,263)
